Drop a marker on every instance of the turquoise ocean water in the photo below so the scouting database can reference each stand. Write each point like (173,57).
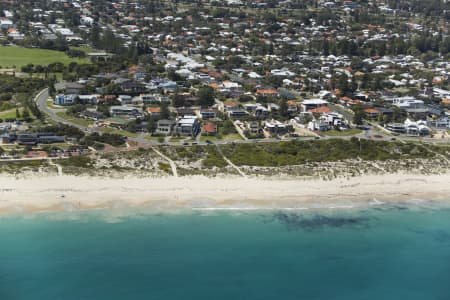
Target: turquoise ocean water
(388,252)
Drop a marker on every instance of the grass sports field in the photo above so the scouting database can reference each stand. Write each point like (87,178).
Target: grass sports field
(17,56)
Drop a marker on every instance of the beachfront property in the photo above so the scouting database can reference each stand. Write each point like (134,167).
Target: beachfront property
(396,127)
(275,127)
(443,122)
(188,126)
(88,99)
(32,139)
(410,127)
(328,121)
(416,128)
(210,128)
(65,99)
(165,127)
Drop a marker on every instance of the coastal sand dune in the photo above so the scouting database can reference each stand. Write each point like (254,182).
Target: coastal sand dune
(70,193)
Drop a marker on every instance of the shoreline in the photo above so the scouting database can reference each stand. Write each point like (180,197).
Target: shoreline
(67,193)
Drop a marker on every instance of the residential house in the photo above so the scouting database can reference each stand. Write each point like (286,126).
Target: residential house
(318,125)
(65,100)
(208,114)
(443,122)
(412,106)
(133,87)
(154,111)
(416,128)
(4,127)
(125,99)
(275,127)
(267,92)
(310,104)
(124,112)
(396,127)
(38,138)
(185,111)
(253,127)
(88,99)
(321,110)
(188,126)
(372,113)
(73,88)
(6,23)
(165,126)
(209,128)
(148,99)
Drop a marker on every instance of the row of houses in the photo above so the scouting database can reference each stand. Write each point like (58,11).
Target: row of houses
(31,139)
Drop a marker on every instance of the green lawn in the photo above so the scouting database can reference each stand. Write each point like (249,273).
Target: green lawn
(153,138)
(79,121)
(177,139)
(348,132)
(118,131)
(53,106)
(8,114)
(11,113)
(18,56)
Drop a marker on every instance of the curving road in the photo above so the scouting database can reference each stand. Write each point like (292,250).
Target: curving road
(41,102)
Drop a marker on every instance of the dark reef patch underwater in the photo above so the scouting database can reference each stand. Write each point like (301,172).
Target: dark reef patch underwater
(295,221)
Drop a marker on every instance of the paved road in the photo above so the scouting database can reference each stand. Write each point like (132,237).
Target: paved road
(41,100)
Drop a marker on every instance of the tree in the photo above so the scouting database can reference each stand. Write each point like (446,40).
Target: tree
(359,115)
(26,114)
(132,126)
(17,113)
(178,100)
(165,112)
(151,127)
(228,127)
(206,96)
(95,36)
(284,108)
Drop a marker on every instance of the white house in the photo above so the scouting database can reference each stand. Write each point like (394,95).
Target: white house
(416,128)
(64,100)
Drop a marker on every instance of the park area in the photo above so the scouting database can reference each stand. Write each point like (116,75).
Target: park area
(13,56)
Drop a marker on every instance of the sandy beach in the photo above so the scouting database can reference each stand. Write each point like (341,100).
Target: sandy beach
(71,193)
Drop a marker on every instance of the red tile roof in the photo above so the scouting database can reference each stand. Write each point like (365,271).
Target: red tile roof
(267,92)
(153,110)
(321,109)
(209,127)
(372,111)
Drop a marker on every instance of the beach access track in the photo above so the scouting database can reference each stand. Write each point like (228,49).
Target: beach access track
(172,164)
(230,163)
